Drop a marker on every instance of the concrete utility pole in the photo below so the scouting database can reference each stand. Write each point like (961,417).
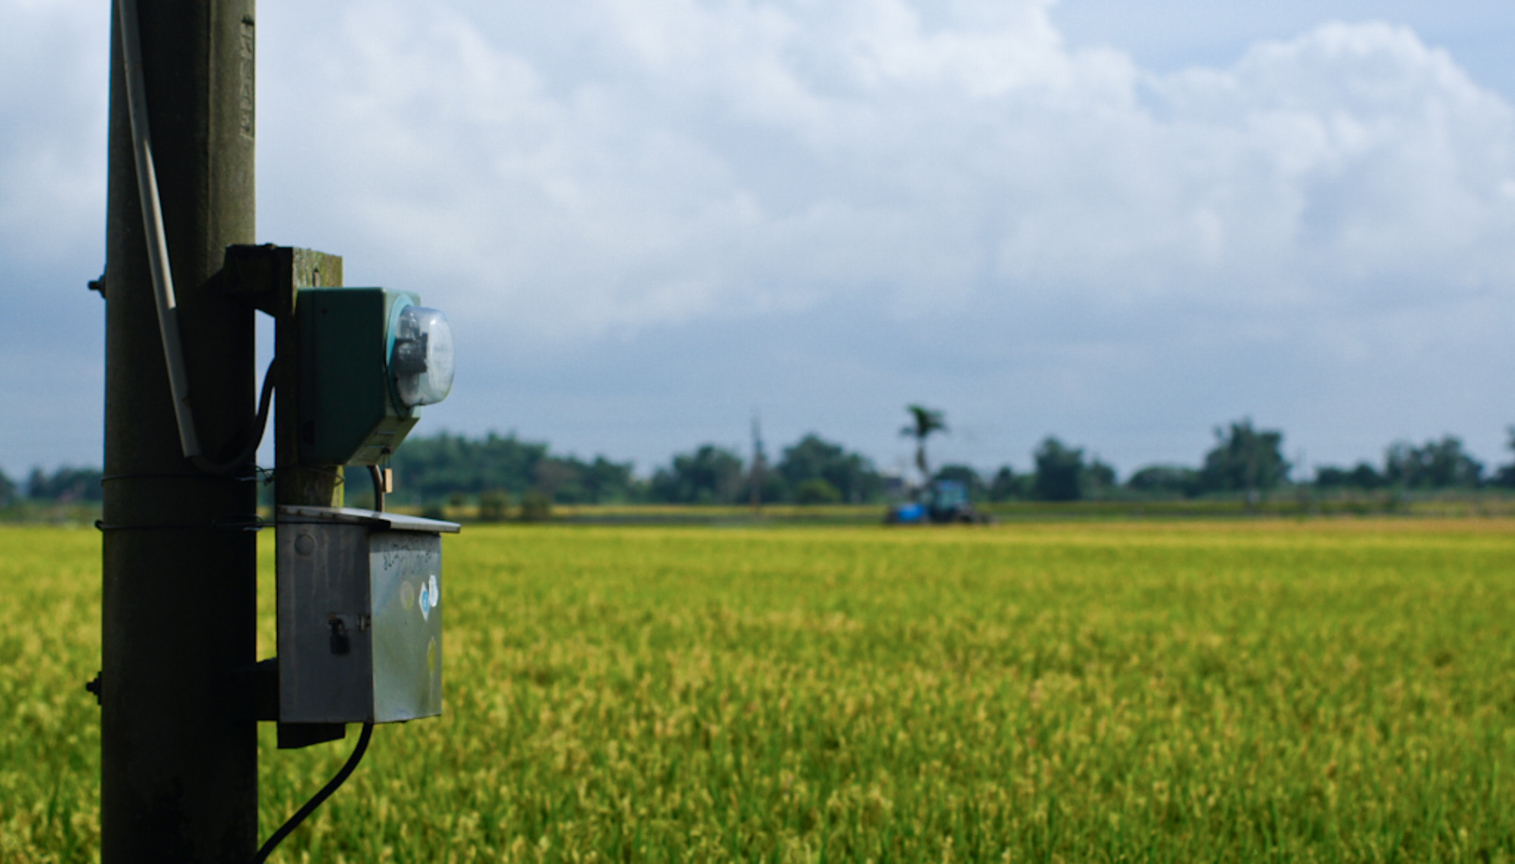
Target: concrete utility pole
(179,760)
(759,467)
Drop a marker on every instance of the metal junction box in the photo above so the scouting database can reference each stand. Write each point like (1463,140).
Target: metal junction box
(360,615)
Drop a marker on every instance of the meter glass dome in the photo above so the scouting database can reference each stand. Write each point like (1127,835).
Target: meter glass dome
(421,362)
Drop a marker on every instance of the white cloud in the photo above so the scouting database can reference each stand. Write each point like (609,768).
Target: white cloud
(52,132)
(711,159)
(613,172)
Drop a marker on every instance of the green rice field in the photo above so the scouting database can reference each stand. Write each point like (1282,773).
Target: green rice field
(1318,690)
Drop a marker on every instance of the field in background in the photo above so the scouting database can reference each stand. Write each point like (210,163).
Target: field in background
(1496,504)
(1116,691)
(1300,504)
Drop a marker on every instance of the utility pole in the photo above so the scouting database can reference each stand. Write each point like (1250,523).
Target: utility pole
(179,760)
(759,467)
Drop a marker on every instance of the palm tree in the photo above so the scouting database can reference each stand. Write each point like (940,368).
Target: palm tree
(926,421)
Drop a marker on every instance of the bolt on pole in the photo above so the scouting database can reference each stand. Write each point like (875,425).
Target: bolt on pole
(179,759)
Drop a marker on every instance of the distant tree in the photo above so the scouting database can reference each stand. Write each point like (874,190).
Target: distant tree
(436,468)
(604,481)
(1450,466)
(8,491)
(710,475)
(1365,476)
(1329,476)
(494,505)
(1098,479)
(536,506)
(1361,476)
(1506,474)
(1437,465)
(1165,481)
(850,474)
(67,484)
(816,491)
(1059,472)
(773,489)
(1006,485)
(923,423)
(1245,460)
(559,480)
(964,474)
(432,468)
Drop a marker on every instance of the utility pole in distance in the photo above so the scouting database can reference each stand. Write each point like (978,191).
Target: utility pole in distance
(179,760)
(759,467)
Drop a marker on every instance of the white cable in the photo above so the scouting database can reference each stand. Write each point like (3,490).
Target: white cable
(152,224)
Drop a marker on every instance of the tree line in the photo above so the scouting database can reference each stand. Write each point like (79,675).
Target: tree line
(1243,461)
(456,469)
(498,470)
(67,485)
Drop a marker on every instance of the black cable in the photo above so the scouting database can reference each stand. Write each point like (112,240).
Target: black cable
(377,474)
(357,753)
(312,804)
(260,424)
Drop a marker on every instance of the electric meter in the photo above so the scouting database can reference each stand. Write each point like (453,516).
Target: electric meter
(370,357)
(421,359)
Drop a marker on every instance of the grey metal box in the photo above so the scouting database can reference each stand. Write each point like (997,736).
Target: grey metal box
(360,615)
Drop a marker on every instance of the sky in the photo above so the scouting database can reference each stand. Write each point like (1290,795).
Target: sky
(1122,223)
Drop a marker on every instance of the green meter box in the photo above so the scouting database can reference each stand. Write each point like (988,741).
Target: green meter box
(350,413)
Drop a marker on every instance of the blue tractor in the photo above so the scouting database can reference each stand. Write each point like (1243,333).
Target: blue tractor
(941,502)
